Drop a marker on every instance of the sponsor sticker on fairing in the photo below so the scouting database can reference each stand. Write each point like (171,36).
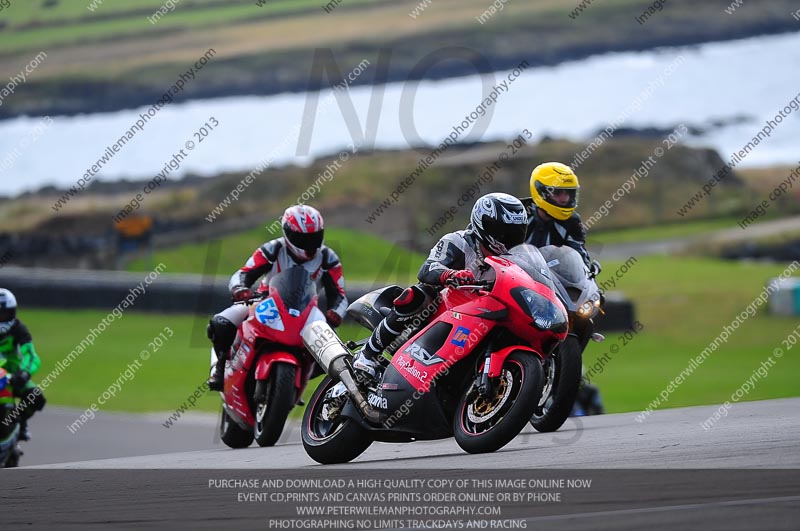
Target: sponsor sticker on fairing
(422,355)
(460,336)
(377,401)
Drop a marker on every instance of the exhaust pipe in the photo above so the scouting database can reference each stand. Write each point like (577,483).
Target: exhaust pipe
(328,350)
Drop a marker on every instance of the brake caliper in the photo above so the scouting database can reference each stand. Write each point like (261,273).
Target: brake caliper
(335,399)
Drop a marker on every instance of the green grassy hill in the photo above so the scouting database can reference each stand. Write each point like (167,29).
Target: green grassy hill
(351,199)
(364,257)
(367,179)
(53,23)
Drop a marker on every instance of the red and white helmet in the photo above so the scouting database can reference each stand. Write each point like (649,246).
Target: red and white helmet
(303,230)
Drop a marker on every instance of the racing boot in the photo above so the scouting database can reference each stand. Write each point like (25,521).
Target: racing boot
(217,380)
(24,431)
(365,364)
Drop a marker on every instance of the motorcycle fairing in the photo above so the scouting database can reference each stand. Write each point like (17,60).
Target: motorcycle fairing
(439,346)
(264,343)
(264,364)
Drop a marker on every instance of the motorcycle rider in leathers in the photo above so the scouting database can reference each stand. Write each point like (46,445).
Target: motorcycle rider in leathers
(552,219)
(497,223)
(21,361)
(301,245)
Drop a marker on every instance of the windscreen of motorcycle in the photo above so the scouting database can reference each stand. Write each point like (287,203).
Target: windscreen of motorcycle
(295,288)
(566,263)
(531,261)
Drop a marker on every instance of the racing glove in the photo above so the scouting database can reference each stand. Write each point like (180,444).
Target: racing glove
(454,277)
(19,380)
(333,318)
(594,269)
(241,293)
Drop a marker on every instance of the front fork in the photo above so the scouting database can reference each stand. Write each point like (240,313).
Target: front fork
(484,384)
(582,329)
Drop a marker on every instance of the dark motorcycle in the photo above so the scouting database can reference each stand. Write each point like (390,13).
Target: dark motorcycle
(563,369)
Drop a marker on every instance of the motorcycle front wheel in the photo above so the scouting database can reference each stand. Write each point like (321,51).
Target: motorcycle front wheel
(485,424)
(329,437)
(272,413)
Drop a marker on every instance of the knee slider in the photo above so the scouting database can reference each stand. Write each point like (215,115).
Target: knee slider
(410,301)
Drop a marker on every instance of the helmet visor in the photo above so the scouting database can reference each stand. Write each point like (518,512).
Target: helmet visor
(508,234)
(307,241)
(557,196)
(7,314)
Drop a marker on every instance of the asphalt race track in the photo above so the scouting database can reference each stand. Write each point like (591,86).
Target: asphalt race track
(763,434)
(664,473)
(114,435)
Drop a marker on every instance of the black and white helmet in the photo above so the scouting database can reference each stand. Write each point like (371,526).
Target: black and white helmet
(499,221)
(8,310)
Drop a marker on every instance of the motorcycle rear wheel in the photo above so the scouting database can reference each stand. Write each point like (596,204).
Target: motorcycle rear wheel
(331,440)
(271,415)
(483,425)
(561,388)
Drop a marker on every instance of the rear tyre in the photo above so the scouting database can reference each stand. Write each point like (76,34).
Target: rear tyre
(271,415)
(483,425)
(328,437)
(232,434)
(562,381)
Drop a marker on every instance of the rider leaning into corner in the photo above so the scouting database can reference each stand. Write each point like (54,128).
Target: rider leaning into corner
(497,223)
(21,361)
(552,219)
(301,245)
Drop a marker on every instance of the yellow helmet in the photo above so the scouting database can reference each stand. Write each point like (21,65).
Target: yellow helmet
(551,178)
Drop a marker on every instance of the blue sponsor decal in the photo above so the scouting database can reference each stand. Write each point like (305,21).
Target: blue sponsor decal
(460,337)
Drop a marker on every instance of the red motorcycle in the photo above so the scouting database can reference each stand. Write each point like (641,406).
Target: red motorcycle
(268,367)
(473,373)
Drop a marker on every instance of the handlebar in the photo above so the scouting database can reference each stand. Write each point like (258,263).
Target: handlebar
(255,298)
(479,284)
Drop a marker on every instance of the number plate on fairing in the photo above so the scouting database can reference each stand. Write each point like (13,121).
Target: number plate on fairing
(267,314)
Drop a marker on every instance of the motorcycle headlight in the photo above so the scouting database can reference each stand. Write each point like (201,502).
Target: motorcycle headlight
(545,314)
(589,308)
(586,309)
